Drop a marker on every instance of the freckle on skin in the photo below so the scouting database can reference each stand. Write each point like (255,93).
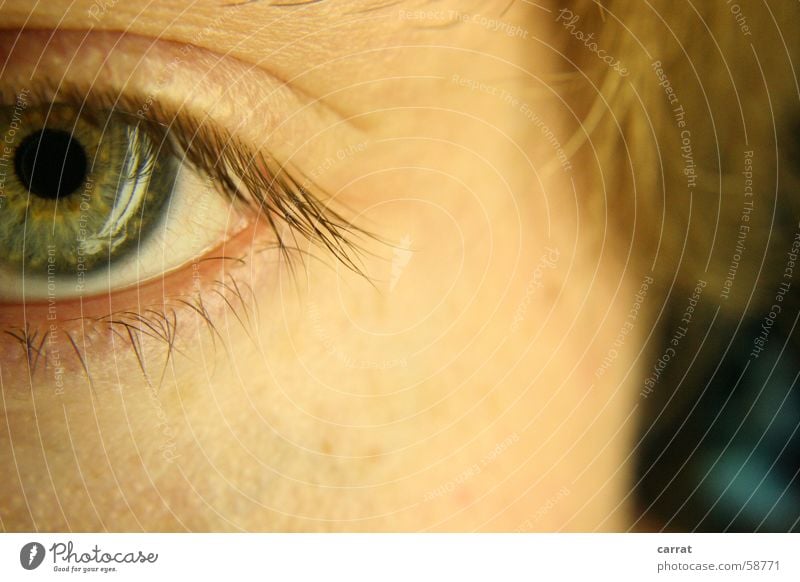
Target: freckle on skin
(325,447)
(463,496)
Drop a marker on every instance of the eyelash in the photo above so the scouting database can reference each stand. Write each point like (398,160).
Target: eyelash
(277,193)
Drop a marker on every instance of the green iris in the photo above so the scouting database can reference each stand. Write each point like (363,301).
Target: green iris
(77,189)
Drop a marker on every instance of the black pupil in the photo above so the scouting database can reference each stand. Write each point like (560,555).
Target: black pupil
(50,163)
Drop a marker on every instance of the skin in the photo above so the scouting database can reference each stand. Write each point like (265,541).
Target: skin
(451,387)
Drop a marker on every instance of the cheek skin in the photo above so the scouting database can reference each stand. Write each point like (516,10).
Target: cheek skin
(411,406)
(88,417)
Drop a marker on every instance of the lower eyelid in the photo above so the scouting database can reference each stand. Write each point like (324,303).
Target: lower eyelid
(55,342)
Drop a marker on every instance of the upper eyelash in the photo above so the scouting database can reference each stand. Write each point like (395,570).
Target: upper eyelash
(278,192)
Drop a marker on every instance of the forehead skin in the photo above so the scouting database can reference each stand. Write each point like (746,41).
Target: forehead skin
(350,39)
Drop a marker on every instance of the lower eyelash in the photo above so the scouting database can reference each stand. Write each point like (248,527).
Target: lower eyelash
(64,349)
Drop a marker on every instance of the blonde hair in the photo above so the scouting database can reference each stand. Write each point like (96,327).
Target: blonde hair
(709,93)
(732,75)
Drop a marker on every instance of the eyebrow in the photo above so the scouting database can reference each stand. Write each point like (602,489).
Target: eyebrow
(301,3)
(277,4)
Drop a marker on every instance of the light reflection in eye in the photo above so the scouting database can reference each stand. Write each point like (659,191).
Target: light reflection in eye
(93,202)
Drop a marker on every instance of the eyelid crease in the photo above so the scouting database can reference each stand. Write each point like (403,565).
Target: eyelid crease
(278,192)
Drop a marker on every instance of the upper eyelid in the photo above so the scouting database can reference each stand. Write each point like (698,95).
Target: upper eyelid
(253,103)
(279,192)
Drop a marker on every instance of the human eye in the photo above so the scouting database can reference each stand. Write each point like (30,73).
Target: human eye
(125,211)
(92,200)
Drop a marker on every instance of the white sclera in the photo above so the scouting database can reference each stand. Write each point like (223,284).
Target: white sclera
(196,219)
